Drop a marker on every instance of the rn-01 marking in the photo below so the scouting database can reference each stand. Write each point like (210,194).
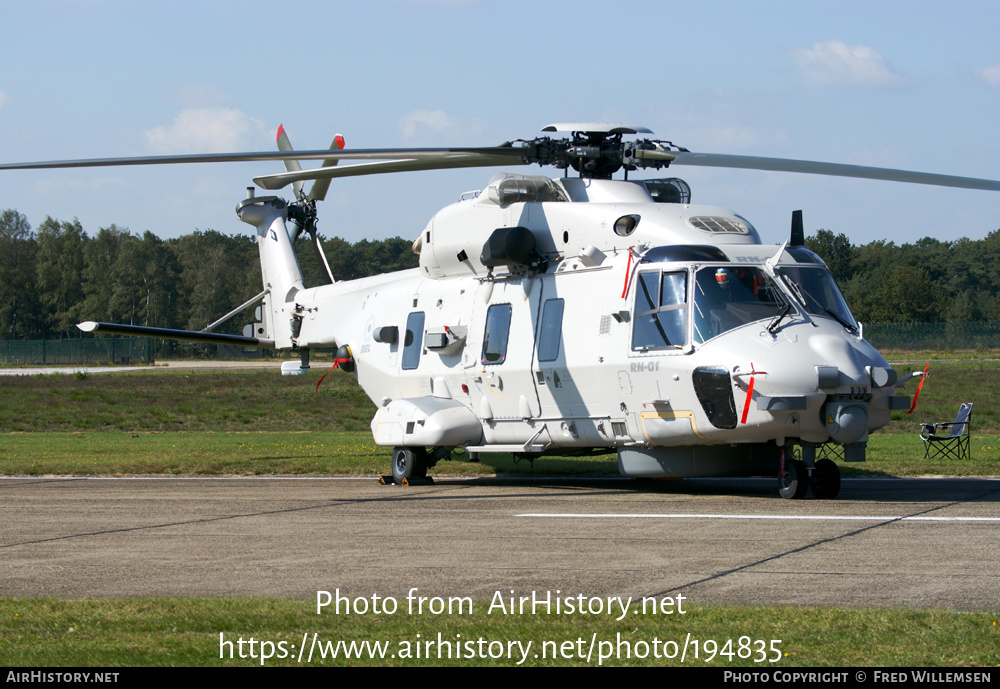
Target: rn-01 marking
(644,366)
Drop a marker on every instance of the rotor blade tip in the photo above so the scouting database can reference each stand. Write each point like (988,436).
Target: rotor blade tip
(340,141)
(281,130)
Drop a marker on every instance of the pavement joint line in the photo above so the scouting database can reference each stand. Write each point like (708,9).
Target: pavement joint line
(802,517)
(807,546)
(186,522)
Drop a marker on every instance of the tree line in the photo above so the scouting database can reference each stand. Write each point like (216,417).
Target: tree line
(56,275)
(929,281)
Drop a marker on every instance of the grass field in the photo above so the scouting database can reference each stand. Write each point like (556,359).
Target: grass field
(259,422)
(255,422)
(255,400)
(171,632)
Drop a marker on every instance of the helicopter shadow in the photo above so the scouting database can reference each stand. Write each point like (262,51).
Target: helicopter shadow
(853,490)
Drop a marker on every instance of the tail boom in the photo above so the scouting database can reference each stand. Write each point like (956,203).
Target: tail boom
(280,272)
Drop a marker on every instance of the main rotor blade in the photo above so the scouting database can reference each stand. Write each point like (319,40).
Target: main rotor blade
(277,181)
(812,167)
(404,159)
(504,152)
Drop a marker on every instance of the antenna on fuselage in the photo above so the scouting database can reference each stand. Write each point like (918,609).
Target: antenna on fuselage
(798,237)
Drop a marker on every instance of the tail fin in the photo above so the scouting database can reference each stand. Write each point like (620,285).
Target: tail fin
(304,208)
(278,265)
(279,268)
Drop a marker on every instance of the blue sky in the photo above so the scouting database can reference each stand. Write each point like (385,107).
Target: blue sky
(913,85)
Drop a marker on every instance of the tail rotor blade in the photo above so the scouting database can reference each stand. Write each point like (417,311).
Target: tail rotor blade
(319,188)
(291,164)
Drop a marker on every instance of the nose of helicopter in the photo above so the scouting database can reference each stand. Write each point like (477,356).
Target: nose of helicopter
(828,363)
(836,351)
(845,413)
(823,389)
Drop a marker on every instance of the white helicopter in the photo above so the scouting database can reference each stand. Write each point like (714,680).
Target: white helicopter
(579,314)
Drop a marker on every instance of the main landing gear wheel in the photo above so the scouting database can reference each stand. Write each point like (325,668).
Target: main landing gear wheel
(825,481)
(794,482)
(408,462)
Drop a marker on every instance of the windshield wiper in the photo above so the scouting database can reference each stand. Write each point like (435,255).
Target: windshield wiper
(833,314)
(794,288)
(780,317)
(785,310)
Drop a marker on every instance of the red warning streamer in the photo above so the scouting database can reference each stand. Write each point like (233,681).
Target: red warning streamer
(746,405)
(336,363)
(628,272)
(917,394)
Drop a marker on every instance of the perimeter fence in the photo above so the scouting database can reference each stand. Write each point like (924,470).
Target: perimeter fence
(979,336)
(104,350)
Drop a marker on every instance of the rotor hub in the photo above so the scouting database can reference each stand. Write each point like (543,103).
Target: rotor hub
(598,152)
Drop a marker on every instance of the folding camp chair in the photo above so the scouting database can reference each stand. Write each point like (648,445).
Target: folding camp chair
(955,443)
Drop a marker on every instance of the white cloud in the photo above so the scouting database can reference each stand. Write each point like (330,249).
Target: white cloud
(991,75)
(835,62)
(437,125)
(714,124)
(735,137)
(208,130)
(4,98)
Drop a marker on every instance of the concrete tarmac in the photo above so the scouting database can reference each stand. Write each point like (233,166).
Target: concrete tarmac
(922,543)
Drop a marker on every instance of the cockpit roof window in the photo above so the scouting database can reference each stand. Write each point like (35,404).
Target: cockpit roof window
(684,252)
(719,223)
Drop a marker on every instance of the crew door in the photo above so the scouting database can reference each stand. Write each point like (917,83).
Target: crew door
(499,359)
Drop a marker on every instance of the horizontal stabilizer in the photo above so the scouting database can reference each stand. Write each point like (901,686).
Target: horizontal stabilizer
(171,334)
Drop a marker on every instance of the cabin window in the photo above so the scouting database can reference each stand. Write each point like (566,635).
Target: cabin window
(550,336)
(496,335)
(660,311)
(413,340)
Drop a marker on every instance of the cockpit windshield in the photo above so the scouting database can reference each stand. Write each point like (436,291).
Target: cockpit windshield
(816,290)
(719,298)
(726,297)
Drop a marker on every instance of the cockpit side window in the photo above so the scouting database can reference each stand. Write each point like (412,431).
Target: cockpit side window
(660,310)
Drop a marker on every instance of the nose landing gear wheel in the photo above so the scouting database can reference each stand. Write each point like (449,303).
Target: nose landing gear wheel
(408,462)
(825,482)
(794,482)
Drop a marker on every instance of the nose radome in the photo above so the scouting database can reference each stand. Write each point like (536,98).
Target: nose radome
(836,351)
